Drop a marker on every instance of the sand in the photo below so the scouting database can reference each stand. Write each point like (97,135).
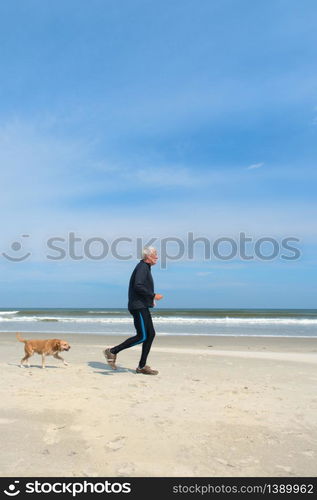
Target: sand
(220,406)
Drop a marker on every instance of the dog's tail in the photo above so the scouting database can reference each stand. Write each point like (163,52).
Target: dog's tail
(18,336)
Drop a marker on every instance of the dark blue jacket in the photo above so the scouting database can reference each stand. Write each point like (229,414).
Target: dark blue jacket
(141,287)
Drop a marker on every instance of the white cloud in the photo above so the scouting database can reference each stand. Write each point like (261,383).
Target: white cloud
(255,165)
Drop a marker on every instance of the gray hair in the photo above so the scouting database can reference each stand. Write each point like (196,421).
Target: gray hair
(147,251)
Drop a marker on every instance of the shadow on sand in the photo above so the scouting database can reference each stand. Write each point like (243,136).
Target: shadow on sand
(106,369)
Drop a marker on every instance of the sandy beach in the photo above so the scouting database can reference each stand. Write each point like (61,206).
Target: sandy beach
(220,406)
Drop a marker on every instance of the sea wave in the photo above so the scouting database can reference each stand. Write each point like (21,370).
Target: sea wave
(229,321)
(105,312)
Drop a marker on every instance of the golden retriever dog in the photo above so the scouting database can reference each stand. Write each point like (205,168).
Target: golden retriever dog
(50,347)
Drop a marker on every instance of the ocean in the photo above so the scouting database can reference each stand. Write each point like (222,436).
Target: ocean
(223,322)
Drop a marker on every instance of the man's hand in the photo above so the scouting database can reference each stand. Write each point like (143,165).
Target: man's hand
(158,296)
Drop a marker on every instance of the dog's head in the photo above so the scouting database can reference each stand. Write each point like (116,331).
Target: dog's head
(61,345)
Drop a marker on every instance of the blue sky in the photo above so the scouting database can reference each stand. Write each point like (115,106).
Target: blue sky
(144,119)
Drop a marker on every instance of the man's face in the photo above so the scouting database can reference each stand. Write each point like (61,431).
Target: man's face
(152,258)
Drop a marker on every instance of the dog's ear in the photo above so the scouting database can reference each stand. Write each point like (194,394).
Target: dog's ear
(57,345)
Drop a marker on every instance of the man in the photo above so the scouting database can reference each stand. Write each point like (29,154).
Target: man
(141,298)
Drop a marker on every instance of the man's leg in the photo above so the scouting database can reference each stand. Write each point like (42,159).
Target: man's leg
(150,334)
(111,354)
(140,332)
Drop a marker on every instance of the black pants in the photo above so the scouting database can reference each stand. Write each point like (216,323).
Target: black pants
(145,334)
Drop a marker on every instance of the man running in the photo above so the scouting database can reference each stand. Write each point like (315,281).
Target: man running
(141,298)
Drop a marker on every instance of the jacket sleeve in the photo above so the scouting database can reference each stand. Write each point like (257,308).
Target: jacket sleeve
(140,283)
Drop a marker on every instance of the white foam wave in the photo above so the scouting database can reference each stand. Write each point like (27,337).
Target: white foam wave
(227,321)
(104,312)
(238,321)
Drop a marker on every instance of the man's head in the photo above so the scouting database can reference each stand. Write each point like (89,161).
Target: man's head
(149,255)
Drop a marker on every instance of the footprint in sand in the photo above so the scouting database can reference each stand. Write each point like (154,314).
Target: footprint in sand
(309,453)
(126,469)
(5,421)
(116,443)
(51,435)
(89,473)
(284,468)
(222,461)
(246,462)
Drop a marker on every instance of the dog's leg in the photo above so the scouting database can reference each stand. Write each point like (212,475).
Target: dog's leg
(28,353)
(57,356)
(43,360)
(26,358)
